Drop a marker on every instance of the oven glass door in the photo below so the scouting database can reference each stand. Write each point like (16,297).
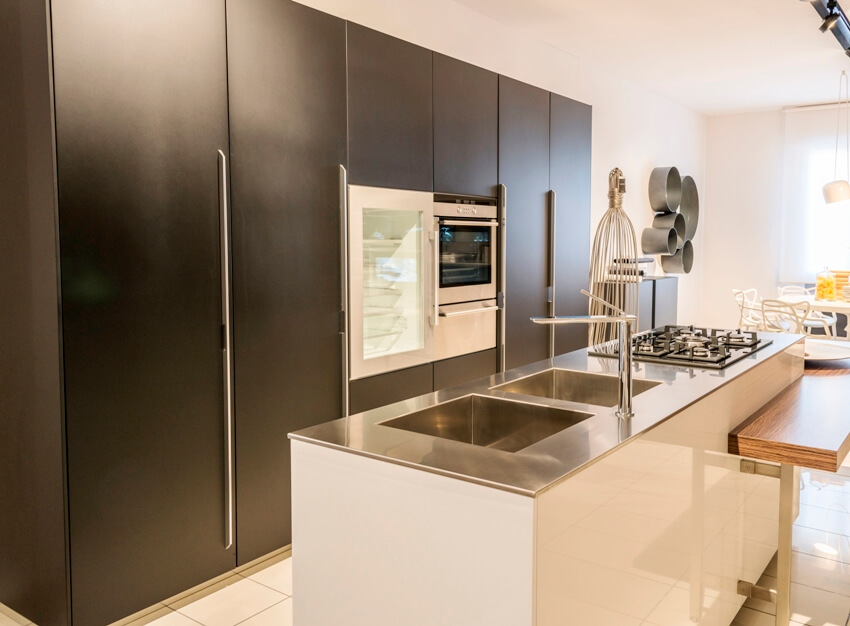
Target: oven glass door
(467,268)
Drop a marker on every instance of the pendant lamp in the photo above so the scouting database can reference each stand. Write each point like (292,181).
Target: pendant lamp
(839,190)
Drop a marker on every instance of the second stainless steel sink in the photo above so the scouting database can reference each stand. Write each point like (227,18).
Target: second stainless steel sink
(496,423)
(583,387)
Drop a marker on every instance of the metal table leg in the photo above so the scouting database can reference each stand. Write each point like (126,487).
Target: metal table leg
(789,507)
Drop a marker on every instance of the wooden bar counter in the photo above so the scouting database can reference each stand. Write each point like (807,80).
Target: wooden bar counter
(807,425)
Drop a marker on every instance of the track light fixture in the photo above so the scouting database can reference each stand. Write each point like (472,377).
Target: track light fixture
(829,22)
(834,20)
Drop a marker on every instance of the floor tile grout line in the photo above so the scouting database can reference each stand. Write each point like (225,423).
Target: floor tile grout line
(263,611)
(265,585)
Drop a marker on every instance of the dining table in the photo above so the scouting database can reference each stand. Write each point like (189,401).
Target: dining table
(822,306)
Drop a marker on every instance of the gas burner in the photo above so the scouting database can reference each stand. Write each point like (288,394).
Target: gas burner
(691,340)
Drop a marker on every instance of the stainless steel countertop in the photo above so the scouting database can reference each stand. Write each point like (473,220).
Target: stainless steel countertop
(533,469)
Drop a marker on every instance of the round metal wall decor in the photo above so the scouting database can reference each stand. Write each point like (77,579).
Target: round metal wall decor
(675,200)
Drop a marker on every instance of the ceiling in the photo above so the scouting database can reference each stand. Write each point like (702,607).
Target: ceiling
(714,56)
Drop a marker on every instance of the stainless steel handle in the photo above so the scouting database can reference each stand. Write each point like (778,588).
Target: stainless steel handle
(343,287)
(470,311)
(503,268)
(470,222)
(435,248)
(227,348)
(551,290)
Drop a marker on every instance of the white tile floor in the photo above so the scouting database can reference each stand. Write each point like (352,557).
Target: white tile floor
(262,595)
(820,566)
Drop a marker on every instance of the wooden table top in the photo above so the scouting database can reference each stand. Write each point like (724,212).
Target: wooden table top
(808,424)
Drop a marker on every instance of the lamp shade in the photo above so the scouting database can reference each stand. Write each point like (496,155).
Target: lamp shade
(836,191)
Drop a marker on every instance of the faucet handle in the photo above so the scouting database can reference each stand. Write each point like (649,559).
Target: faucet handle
(616,310)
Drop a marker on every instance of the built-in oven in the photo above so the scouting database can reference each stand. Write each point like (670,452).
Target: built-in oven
(421,277)
(466,231)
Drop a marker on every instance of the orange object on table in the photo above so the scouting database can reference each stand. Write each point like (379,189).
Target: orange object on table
(825,286)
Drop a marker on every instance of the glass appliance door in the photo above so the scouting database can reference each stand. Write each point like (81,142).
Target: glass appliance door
(390,275)
(465,254)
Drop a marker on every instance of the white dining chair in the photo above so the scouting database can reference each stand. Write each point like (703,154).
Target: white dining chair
(784,317)
(749,309)
(815,319)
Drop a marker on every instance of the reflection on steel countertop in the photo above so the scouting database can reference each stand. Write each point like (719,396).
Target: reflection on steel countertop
(534,468)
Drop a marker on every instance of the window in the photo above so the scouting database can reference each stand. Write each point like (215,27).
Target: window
(814,234)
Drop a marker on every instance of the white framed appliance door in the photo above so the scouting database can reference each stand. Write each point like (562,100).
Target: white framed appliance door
(391,278)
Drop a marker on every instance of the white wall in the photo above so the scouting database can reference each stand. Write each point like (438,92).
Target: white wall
(742,208)
(633,129)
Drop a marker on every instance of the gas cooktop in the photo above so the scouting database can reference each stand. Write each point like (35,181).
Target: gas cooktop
(688,345)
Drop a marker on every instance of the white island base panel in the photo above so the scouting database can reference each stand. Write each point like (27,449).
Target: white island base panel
(660,531)
(375,543)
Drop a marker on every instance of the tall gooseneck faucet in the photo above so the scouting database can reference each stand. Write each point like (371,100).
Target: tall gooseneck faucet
(626,322)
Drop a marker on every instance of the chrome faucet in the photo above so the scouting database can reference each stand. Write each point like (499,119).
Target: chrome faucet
(626,322)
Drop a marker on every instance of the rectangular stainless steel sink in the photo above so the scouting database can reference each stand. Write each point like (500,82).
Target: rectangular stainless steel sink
(583,387)
(495,423)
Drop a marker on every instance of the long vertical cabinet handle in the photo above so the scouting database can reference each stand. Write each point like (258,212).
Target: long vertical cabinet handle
(343,283)
(227,348)
(435,250)
(551,291)
(503,273)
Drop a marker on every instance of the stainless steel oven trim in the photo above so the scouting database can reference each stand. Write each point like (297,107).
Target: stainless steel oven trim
(469,308)
(466,210)
(469,222)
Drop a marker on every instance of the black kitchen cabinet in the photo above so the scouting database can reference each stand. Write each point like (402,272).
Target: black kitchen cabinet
(286,70)
(665,299)
(390,117)
(375,391)
(466,128)
(524,170)
(138,130)
(569,178)
(465,368)
(33,575)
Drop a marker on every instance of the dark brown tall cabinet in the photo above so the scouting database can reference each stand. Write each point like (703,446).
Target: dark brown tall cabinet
(141,137)
(390,117)
(570,125)
(524,170)
(286,68)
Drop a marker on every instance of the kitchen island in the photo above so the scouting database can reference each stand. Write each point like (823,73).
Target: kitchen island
(574,517)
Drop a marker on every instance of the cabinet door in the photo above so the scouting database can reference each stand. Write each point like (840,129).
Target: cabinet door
(524,170)
(466,368)
(390,138)
(141,114)
(286,74)
(370,393)
(569,178)
(466,128)
(665,310)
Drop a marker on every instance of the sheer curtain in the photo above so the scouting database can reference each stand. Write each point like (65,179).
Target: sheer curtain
(814,234)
